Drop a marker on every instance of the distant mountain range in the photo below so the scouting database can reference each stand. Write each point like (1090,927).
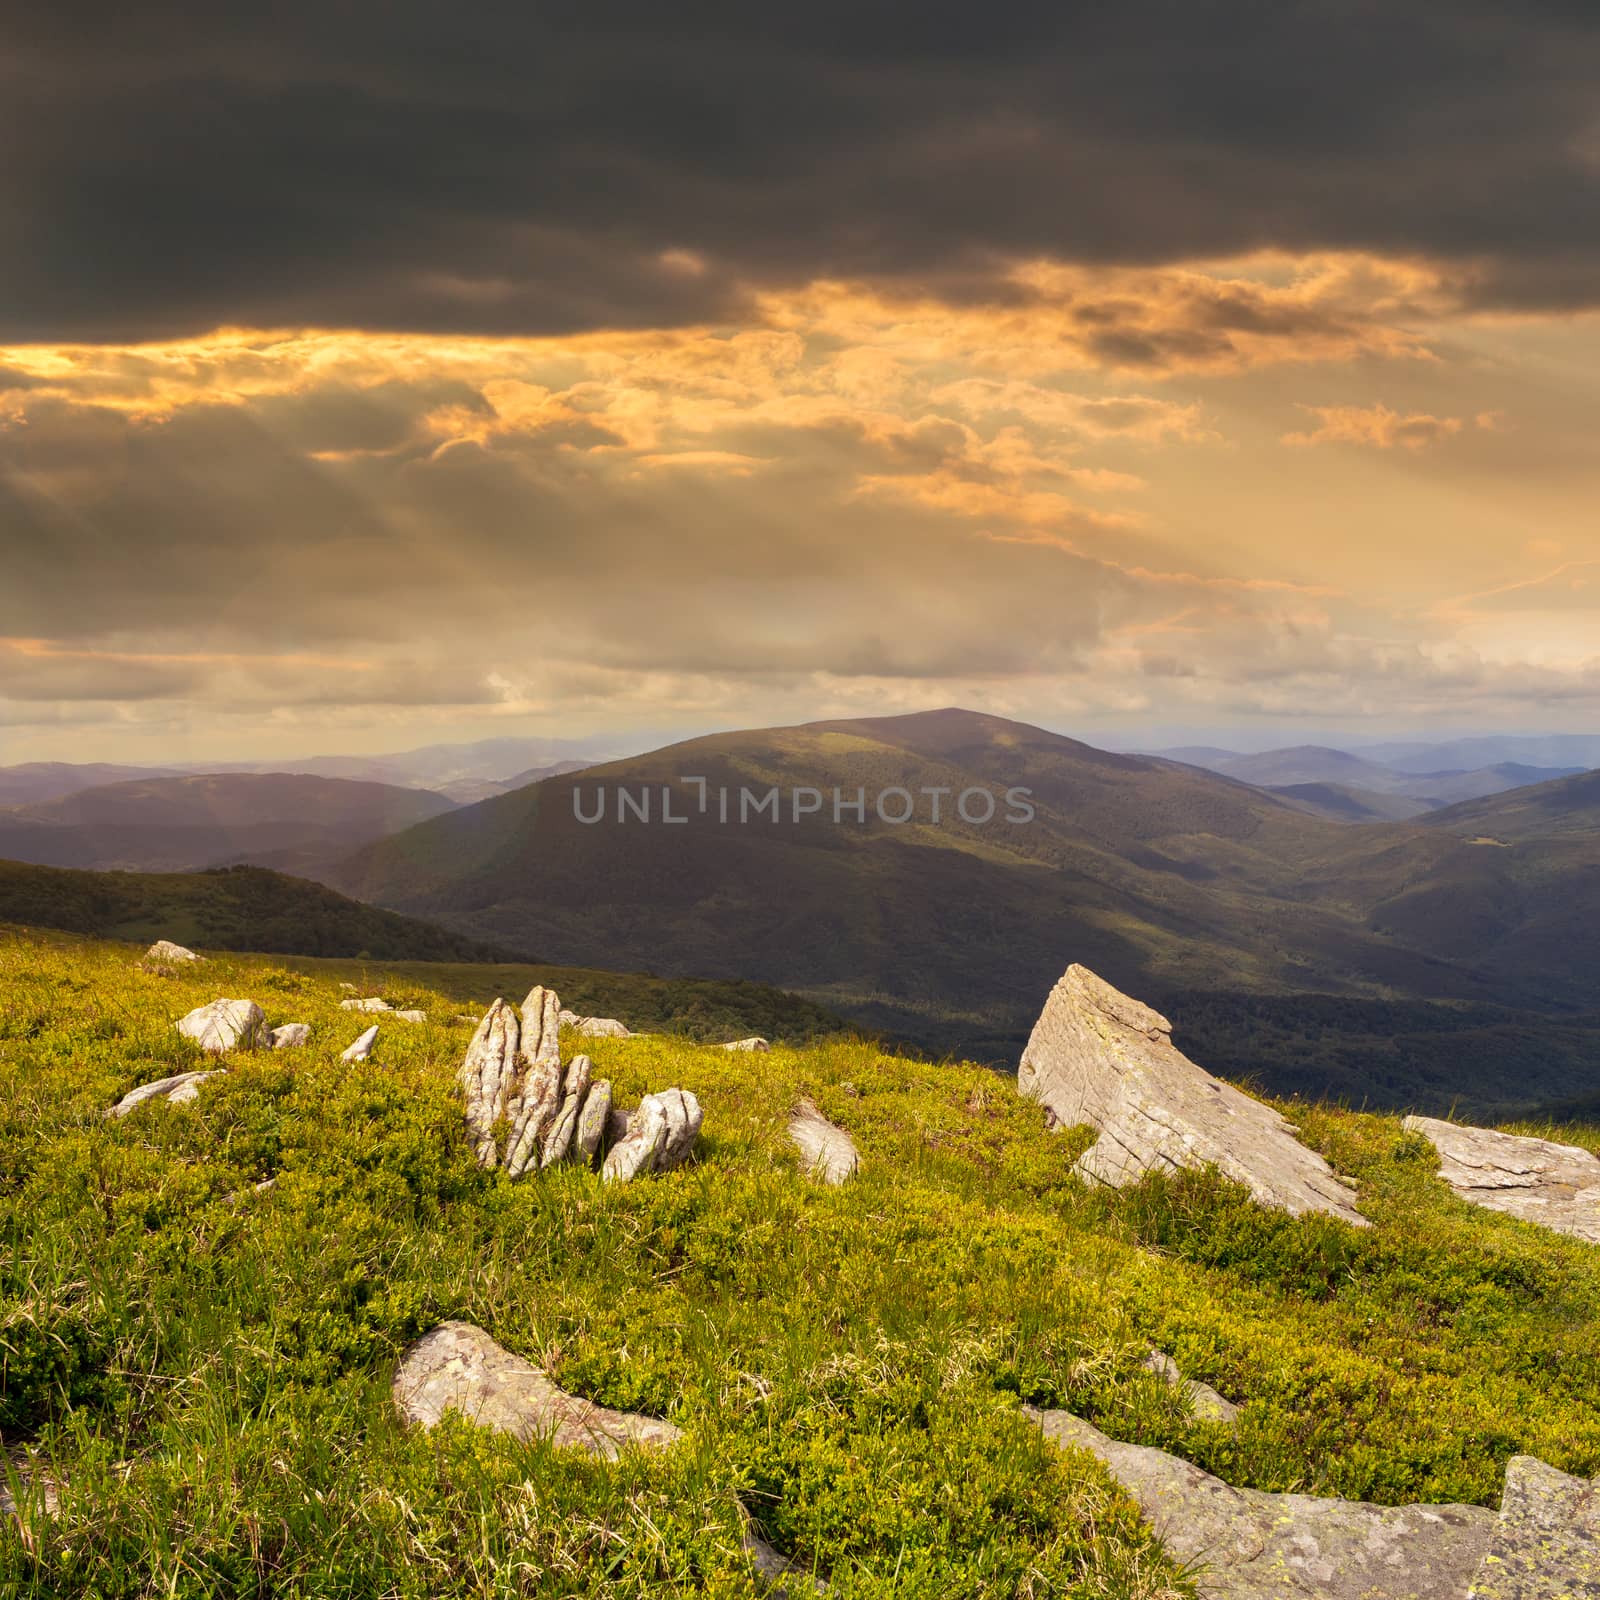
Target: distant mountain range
(1175,882)
(171,824)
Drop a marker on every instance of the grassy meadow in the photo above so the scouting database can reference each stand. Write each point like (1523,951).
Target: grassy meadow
(205,1369)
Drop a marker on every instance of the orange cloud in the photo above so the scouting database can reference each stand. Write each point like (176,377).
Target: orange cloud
(1374,425)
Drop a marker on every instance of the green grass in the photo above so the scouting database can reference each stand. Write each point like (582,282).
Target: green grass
(208,1369)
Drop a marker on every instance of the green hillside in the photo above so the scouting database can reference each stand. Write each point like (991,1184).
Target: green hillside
(227,908)
(205,1369)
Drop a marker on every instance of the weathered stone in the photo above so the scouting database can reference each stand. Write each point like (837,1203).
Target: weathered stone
(826,1150)
(350,986)
(1097,1056)
(362,1048)
(535,1100)
(1557,1185)
(598,1027)
(1546,1544)
(574,1086)
(370,1003)
(409,1016)
(756,1043)
(488,1071)
(1252,1545)
(618,1120)
(777,1574)
(179,1089)
(164,953)
(636,1152)
(458,1367)
(287,1035)
(225,1025)
(683,1127)
(1203,1401)
(593,1118)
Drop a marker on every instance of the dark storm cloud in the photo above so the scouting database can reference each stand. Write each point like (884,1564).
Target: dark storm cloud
(165,169)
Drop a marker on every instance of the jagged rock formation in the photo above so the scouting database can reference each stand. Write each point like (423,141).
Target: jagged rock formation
(756,1043)
(1203,1401)
(362,1048)
(1557,1185)
(178,1090)
(826,1150)
(660,1135)
(369,1003)
(1546,1544)
(287,1035)
(1251,1545)
(1098,1056)
(512,1075)
(225,1025)
(164,953)
(458,1367)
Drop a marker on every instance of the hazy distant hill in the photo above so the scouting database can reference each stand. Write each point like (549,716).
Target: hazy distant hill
(166,824)
(1343,803)
(230,908)
(1580,750)
(36,781)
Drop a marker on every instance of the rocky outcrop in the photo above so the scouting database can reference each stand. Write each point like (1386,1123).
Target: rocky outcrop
(164,953)
(458,1367)
(1251,1545)
(756,1043)
(512,1077)
(369,1003)
(1546,1543)
(660,1135)
(1204,1403)
(361,1050)
(178,1090)
(826,1151)
(225,1025)
(287,1035)
(1097,1056)
(1556,1185)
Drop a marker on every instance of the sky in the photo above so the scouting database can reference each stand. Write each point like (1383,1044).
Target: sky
(373,376)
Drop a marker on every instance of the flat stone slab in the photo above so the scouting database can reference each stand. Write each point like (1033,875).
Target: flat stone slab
(1555,1185)
(1251,1545)
(827,1152)
(178,1090)
(1097,1056)
(458,1367)
(1546,1544)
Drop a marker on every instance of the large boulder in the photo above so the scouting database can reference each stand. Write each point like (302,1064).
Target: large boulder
(458,1367)
(596,1027)
(1556,1185)
(1097,1056)
(287,1035)
(826,1150)
(225,1025)
(1252,1545)
(1546,1544)
(164,953)
(180,1089)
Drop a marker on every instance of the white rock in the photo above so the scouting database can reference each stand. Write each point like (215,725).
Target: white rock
(636,1151)
(574,1087)
(409,1016)
(287,1034)
(535,1099)
(362,1048)
(370,1003)
(225,1025)
(826,1150)
(601,1028)
(179,1089)
(488,1071)
(1556,1185)
(1098,1056)
(164,953)
(458,1367)
(593,1119)
(756,1043)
